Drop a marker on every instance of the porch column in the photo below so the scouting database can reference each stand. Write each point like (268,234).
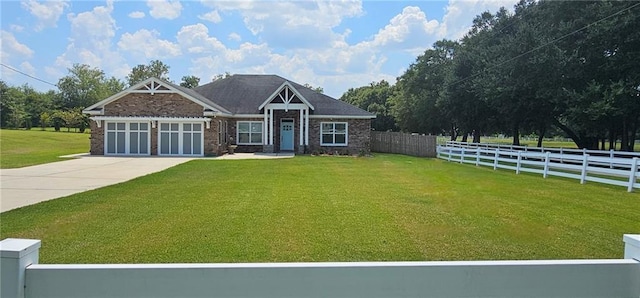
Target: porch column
(270,126)
(301,127)
(264,130)
(306,124)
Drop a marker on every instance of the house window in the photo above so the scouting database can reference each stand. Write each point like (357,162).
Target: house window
(333,134)
(249,133)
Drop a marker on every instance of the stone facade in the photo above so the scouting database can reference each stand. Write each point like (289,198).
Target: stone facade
(159,105)
(358,131)
(217,139)
(96,139)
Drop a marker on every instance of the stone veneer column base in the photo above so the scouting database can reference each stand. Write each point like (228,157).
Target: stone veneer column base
(267,148)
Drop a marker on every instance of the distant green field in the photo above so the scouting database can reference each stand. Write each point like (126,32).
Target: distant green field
(20,148)
(381,208)
(551,143)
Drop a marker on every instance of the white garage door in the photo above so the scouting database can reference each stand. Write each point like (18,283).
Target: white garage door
(181,139)
(127,138)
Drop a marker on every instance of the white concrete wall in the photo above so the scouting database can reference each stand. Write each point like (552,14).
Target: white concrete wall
(588,278)
(15,256)
(21,277)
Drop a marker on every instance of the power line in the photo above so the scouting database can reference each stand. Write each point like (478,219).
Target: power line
(545,44)
(28,75)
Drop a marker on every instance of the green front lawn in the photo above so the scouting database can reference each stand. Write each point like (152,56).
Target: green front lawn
(388,207)
(21,148)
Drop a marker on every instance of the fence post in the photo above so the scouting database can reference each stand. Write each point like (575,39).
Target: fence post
(15,256)
(632,175)
(449,152)
(612,155)
(546,165)
(462,156)
(585,165)
(495,159)
(519,160)
(631,246)
(478,157)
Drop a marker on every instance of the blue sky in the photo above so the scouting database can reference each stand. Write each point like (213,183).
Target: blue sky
(336,45)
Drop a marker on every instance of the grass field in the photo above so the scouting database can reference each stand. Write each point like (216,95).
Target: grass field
(387,207)
(20,148)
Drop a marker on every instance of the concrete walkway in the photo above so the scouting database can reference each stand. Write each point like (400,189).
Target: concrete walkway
(30,185)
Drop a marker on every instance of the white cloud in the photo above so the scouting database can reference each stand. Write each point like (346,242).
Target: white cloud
(27,68)
(146,43)
(91,42)
(16,28)
(213,17)
(409,30)
(164,9)
(294,24)
(12,49)
(235,36)
(47,12)
(195,39)
(136,15)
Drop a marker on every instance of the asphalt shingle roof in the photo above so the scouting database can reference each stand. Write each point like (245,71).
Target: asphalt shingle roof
(243,94)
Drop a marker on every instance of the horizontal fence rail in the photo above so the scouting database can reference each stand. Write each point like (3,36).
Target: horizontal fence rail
(403,143)
(610,153)
(618,171)
(23,277)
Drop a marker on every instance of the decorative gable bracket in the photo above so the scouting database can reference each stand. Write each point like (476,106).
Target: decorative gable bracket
(152,87)
(286,96)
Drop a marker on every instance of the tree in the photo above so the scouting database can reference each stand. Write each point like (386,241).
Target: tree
(72,118)
(45,119)
(190,81)
(221,76)
(375,99)
(14,102)
(418,90)
(35,104)
(84,86)
(141,72)
(562,66)
(316,89)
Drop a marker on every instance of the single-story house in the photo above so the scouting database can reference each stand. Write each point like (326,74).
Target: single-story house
(251,113)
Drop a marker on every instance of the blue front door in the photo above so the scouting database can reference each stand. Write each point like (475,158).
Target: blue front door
(286,135)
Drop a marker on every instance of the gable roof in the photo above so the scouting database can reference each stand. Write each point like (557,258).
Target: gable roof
(286,85)
(246,94)
(155,85)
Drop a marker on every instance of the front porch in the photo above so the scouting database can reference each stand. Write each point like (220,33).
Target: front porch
(285,121)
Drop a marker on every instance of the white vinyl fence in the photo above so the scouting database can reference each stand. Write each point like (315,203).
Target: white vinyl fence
(564,151)
(608,167)
(23,277)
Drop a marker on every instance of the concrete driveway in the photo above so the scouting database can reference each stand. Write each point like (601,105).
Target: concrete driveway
(31,185)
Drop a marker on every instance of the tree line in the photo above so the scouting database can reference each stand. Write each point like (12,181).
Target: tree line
(25,107)
(568,68)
